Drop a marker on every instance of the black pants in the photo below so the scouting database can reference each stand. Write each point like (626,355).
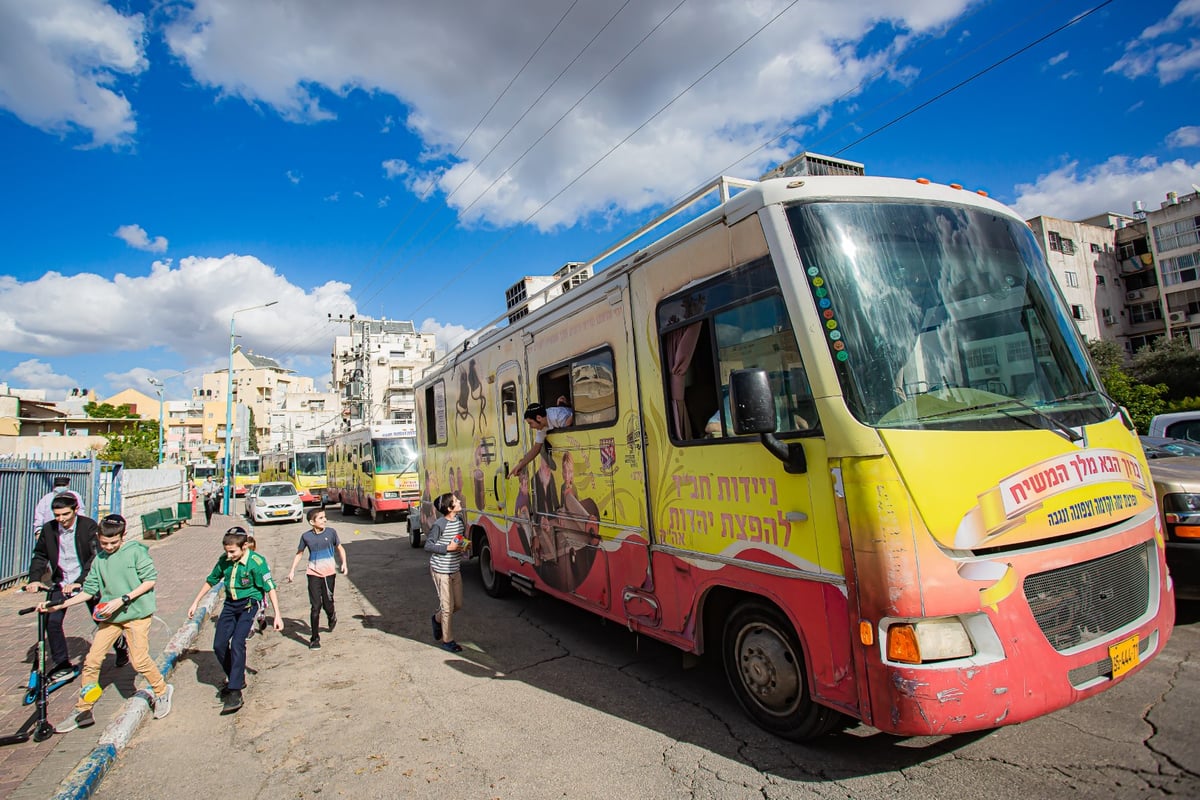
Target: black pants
(229,641)
(59,653)
(210,507)
(320,595)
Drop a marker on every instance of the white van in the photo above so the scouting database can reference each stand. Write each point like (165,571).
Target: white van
(1179,425)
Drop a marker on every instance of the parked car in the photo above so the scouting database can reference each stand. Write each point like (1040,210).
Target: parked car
(275,500)
(1177,484)
(1177,425)
(1167,447)
(250,490)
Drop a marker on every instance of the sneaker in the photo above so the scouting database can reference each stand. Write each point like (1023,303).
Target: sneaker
(222,690)
(314,644)
(452,646)
(122,657)
(332,621)
(437,628)
(162,704)
(76,719)
(62,672)
(233,701)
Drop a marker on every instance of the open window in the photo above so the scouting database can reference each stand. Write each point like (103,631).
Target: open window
(586,383)
(435,413)
(735,321)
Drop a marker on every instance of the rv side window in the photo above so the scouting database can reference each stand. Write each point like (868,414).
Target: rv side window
(737,321)
(512,414)
(587,384)
(435,413)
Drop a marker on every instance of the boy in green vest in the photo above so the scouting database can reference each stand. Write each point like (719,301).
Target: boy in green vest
(122,576)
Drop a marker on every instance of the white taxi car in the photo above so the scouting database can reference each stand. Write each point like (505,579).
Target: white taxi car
(275,500)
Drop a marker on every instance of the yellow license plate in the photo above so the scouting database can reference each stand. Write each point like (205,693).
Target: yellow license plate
(1124,656)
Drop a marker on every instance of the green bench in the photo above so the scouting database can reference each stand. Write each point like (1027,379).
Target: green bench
(177,518)
(154,523)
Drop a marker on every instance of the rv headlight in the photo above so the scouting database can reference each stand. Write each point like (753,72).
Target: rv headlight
(928,640)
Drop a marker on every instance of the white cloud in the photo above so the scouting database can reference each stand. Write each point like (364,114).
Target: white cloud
(292,57)
(293,176)
(185,309)
(1058,58)
(395,167)
(1168,60)
(33,373)
(449,335)
(136,237)
(383,201)
(59,61)
(1188,136)
(1112,186)
(333,198)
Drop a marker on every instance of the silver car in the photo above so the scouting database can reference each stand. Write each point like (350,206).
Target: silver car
(276,500)
(1177,484)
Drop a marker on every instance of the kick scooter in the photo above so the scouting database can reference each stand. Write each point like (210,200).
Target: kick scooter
(37,727)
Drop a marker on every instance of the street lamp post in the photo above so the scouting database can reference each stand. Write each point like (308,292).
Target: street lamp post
(155,382)
(229,401)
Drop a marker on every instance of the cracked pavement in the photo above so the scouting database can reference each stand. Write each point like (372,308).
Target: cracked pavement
(547,701)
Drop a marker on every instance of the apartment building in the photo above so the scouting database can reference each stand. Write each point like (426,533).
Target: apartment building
(1175,249)
(306,419)
(1083,259)
(374,366)
(260,387)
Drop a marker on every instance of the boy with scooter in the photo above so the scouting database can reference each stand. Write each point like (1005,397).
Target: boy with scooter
(122,577)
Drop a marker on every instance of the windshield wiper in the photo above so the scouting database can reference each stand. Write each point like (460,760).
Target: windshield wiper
(1065,431)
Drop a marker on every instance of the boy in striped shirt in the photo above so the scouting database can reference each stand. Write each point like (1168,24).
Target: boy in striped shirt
(324,551)
(445,541)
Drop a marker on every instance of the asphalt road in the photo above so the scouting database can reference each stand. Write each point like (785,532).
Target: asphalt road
(550,702)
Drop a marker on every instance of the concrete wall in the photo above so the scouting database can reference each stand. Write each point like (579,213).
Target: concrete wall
(144,490)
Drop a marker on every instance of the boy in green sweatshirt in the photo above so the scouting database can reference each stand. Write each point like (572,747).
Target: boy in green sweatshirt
(122,576)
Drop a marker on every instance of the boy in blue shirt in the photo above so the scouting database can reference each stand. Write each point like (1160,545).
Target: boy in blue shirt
(324,550)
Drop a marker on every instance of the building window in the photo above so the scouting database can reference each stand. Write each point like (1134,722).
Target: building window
(1079,312)
(1144,312)
(1096,248)
(1072,278)
(1181,269)
(1061,243)
(1099,280)
(1181,233)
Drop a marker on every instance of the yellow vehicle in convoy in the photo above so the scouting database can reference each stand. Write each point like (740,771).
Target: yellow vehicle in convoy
(840,432)
(374,468)
(303,467)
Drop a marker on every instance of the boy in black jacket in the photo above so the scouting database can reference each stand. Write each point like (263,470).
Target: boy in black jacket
(65,548)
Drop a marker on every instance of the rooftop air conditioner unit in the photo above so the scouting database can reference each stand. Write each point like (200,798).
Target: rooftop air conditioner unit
(1178,317)
(1136,294)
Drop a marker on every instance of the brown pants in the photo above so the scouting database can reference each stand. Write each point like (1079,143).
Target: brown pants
(450,599)
(137,635)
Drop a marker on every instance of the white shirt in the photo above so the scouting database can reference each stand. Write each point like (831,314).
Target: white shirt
(68,557)
(556,417)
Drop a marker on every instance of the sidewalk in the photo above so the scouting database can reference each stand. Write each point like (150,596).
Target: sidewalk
(32,771)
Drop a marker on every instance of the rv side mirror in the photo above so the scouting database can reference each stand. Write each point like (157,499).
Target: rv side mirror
(752,405)
(751,402)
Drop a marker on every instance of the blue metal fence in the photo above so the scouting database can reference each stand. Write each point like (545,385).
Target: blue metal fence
(25,481)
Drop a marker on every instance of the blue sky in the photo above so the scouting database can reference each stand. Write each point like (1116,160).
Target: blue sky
(168,161)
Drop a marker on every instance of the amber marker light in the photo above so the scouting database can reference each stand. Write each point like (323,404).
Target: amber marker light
(1187,532)
(923,181)
(956,186)
(866,632)
(981,193)
(902,644)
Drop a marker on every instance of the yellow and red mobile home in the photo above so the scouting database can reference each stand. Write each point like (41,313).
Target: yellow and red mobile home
(839,431)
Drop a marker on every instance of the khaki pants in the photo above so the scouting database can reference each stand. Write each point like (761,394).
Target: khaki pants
(450,599)
(137,635)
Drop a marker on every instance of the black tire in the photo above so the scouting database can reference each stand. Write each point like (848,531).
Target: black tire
(376,515)
(414,535)
(347,509)
(494,583)
(765,668)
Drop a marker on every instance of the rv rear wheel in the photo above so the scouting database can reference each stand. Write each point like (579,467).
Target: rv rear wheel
(765,668)
(347,509)
(494,583)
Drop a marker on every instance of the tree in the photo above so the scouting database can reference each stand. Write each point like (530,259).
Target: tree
(1173,362)
(1141,400)
(137,446)
(252,439)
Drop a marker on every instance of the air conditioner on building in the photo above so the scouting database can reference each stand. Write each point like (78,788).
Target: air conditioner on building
(991,371)
(381,361)
(1136,294)
(1178,317)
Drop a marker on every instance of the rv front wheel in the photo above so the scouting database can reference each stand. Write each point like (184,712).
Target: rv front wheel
(494,583)
(765,668)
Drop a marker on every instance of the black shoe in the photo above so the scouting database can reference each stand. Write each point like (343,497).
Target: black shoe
(233,701)
(122,657)
(452,646)
(314,644)
(62,672)
(332,622)
(437,628)
(222,690)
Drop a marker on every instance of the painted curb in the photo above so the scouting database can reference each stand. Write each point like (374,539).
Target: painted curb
(84,779)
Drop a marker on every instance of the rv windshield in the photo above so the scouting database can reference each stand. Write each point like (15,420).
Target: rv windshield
(310,463)
(946,317)
(396,455)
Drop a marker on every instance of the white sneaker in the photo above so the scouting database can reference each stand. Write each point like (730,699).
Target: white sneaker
(162,705)
(76,719)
